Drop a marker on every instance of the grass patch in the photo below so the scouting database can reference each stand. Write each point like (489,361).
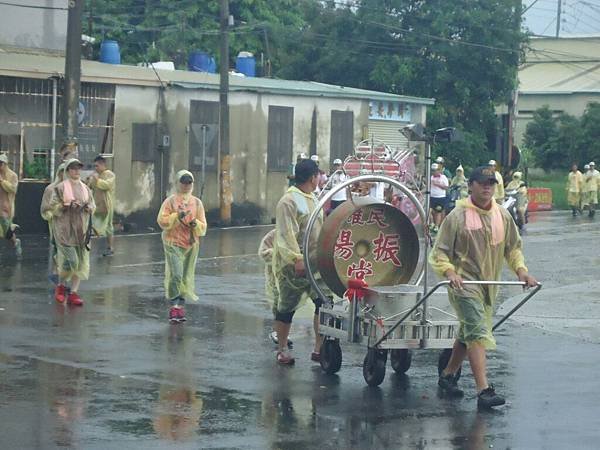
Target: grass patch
(555,181)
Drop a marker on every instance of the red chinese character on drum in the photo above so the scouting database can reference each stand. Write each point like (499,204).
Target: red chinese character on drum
(361,270)
(377,216)
(356,218)
(386,248)
(344,245)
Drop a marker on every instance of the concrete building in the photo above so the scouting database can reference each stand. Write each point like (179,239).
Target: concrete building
(154,123)
(562,73)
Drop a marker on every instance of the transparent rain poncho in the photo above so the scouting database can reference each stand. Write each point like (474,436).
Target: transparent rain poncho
(103,188)
(292,214)
(460,181)
(517,184)
(181,241)
(48,208)
(499,188)
(70,228)
(265,251)
(474,243)
(8,191)
(574,188)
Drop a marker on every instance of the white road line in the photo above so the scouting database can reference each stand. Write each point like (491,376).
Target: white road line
(155,263)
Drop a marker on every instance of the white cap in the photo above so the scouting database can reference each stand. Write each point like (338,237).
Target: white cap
(587,166)
(303,156)
(592,163)
(439,159)
(4,158)
(315,158)
(434,166)
(337,161)
(517,175)
(492,162)
(461,168)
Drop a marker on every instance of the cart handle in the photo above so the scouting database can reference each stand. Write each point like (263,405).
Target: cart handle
(467,283)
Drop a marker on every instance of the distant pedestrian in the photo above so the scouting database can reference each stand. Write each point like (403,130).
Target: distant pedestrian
(9,182)
(574,189)
(102,184)
(499,189)
(183,222)
(322,181)
(72,206)
(439,199)
(338,176)
(594,187)
(459,182)
(441,162)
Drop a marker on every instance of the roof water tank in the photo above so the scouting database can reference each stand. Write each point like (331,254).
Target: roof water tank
(246,64)
(201,62)
(109,52)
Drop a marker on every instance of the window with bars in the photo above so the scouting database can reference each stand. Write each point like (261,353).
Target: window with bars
(341,142)
(280,138)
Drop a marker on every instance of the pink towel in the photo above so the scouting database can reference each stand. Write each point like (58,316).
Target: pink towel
(473,221)
(68,196)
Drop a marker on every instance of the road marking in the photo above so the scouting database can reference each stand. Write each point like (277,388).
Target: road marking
(155,263)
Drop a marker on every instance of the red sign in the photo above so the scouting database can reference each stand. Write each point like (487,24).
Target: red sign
(540,199)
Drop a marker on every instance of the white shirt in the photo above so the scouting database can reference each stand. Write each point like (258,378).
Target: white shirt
(438,192)
(338,178)
(378,191)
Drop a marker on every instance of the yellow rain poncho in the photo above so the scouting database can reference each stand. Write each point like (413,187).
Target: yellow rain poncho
(460,181)
(183,222)
(265,251)
(103,187)
(590,189)
(517,184)
(499,189)
(8,190)
(574,188)
(47,204)
(474,243)
(70,227)
(292,214)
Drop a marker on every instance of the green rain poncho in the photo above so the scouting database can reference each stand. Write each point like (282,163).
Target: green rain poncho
(70,226)
(474,243)
(460,181)
(103,187)
(181,241)
(292,214)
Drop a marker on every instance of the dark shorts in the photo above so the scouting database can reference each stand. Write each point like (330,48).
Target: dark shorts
(439,203)
(336,203)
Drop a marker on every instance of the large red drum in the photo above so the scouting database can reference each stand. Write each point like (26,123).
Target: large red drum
(369,240)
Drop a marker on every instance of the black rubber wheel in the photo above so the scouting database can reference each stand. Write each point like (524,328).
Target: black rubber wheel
(401,359)
(443,362)
(331,356)
(374,366)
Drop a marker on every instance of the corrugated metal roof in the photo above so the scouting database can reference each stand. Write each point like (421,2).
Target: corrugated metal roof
(14,63)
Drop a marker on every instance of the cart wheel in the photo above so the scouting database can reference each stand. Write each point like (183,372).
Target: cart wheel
(401,359)
(443,362)
(331,356)
(374,366)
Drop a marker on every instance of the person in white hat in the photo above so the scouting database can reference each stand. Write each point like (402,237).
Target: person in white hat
(441,162)
(596,176)
(8,191)
(499,189)
(439,199)
(338,176)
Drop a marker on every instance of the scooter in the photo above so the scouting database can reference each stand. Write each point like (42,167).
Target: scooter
(453,194)
(510,204)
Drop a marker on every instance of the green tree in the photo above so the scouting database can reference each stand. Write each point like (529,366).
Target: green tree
(590,133)
(539,135)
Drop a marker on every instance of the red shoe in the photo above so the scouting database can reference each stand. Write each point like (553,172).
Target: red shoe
(176,315)
(60,293)
(74,299)
(316,357)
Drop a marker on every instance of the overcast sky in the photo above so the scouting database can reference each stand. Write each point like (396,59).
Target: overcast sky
(579,17)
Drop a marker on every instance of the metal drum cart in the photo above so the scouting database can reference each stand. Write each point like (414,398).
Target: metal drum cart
(374,259)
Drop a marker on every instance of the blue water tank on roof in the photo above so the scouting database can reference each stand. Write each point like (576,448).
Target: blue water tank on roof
(109,52)
(246,64)
(201,62)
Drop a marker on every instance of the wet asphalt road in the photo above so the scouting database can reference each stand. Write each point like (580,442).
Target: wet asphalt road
(114,374)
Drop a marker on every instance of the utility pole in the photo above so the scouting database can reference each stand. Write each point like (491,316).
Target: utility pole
(224,156)
(558,14)
(72,75)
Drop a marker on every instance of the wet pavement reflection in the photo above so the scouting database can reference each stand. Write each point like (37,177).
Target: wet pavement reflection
(115,374)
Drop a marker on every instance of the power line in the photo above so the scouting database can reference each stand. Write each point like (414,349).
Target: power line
(34,6)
